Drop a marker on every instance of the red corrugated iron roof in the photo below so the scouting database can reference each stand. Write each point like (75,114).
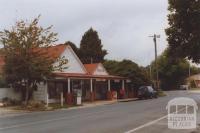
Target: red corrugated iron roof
(53,51)
(56,51)
(91,67)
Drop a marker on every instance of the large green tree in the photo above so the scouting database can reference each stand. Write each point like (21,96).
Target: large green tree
(172,71)
(128,68)
(25,54)
(91,50)
(183,33)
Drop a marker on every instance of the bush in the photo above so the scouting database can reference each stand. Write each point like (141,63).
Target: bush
(10,102)
(192,84)
(161,93)
(34,106)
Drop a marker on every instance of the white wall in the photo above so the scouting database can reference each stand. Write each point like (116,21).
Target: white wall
(74,65)
(39,95)
(9,93)
(100,70)
(3,92)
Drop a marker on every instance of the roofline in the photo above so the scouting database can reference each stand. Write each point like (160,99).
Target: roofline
(87,76)
(104,68)
(67,45)
(97,66)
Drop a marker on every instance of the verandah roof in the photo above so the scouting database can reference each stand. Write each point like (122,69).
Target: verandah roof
(86,76)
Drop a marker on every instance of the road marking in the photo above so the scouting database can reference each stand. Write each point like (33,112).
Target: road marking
(146,125)
(150,123)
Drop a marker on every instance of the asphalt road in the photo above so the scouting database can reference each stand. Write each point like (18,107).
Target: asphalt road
(144,116)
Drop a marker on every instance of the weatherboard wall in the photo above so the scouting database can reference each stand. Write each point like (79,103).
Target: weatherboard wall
(74,65)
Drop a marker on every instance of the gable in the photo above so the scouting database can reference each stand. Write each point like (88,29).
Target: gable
(100,70)
(74,64)
(91,67)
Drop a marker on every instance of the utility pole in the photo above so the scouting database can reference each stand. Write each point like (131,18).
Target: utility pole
(156,64)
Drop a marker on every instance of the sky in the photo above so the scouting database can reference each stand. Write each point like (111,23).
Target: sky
(124,26)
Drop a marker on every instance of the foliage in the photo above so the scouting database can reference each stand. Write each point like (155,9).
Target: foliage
(91,48)
(10,102)
(192,84)
(127,68)
(172,71)
(33,106)
(183,34)
(161,93)
(54,106)
(25,54)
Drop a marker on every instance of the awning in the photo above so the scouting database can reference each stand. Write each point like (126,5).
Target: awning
(86,76)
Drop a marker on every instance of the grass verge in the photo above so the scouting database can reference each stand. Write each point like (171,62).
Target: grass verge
(161,93)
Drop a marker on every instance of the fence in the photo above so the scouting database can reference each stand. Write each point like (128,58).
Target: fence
(9,93)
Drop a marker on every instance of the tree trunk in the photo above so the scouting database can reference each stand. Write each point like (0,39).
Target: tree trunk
(27,94)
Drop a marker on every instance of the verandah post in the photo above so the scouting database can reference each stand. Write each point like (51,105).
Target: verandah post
(109,93)
(68,86)
(61,99)
(91,90)
(123,89)
(47,99)
(69,95)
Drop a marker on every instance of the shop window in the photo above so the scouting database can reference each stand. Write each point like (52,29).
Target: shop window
(54,89)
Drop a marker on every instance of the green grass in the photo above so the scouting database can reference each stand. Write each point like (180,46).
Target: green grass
(194,89)
(58,106)
(52,106)
(161,93)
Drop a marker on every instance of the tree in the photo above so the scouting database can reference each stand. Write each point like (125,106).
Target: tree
(172,71)
(127,68)
(183,34)
(25,54)
(91,48)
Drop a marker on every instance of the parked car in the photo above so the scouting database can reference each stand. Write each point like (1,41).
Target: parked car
(145,92)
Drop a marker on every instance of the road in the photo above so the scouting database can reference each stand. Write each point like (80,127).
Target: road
(143,116)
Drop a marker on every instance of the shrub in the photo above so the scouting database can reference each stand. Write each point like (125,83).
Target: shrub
(10,102)
(192,84)
(34,106)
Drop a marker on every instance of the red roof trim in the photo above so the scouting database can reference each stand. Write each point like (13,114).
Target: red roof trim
(91,67)
(78,75)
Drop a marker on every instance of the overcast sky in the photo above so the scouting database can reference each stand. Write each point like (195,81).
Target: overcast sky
(123,25)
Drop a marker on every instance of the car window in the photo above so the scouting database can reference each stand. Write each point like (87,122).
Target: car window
(141,88)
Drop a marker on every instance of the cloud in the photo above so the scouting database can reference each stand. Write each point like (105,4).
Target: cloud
(123,25)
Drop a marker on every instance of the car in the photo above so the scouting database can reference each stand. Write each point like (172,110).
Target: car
(184,87)
(145,92)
